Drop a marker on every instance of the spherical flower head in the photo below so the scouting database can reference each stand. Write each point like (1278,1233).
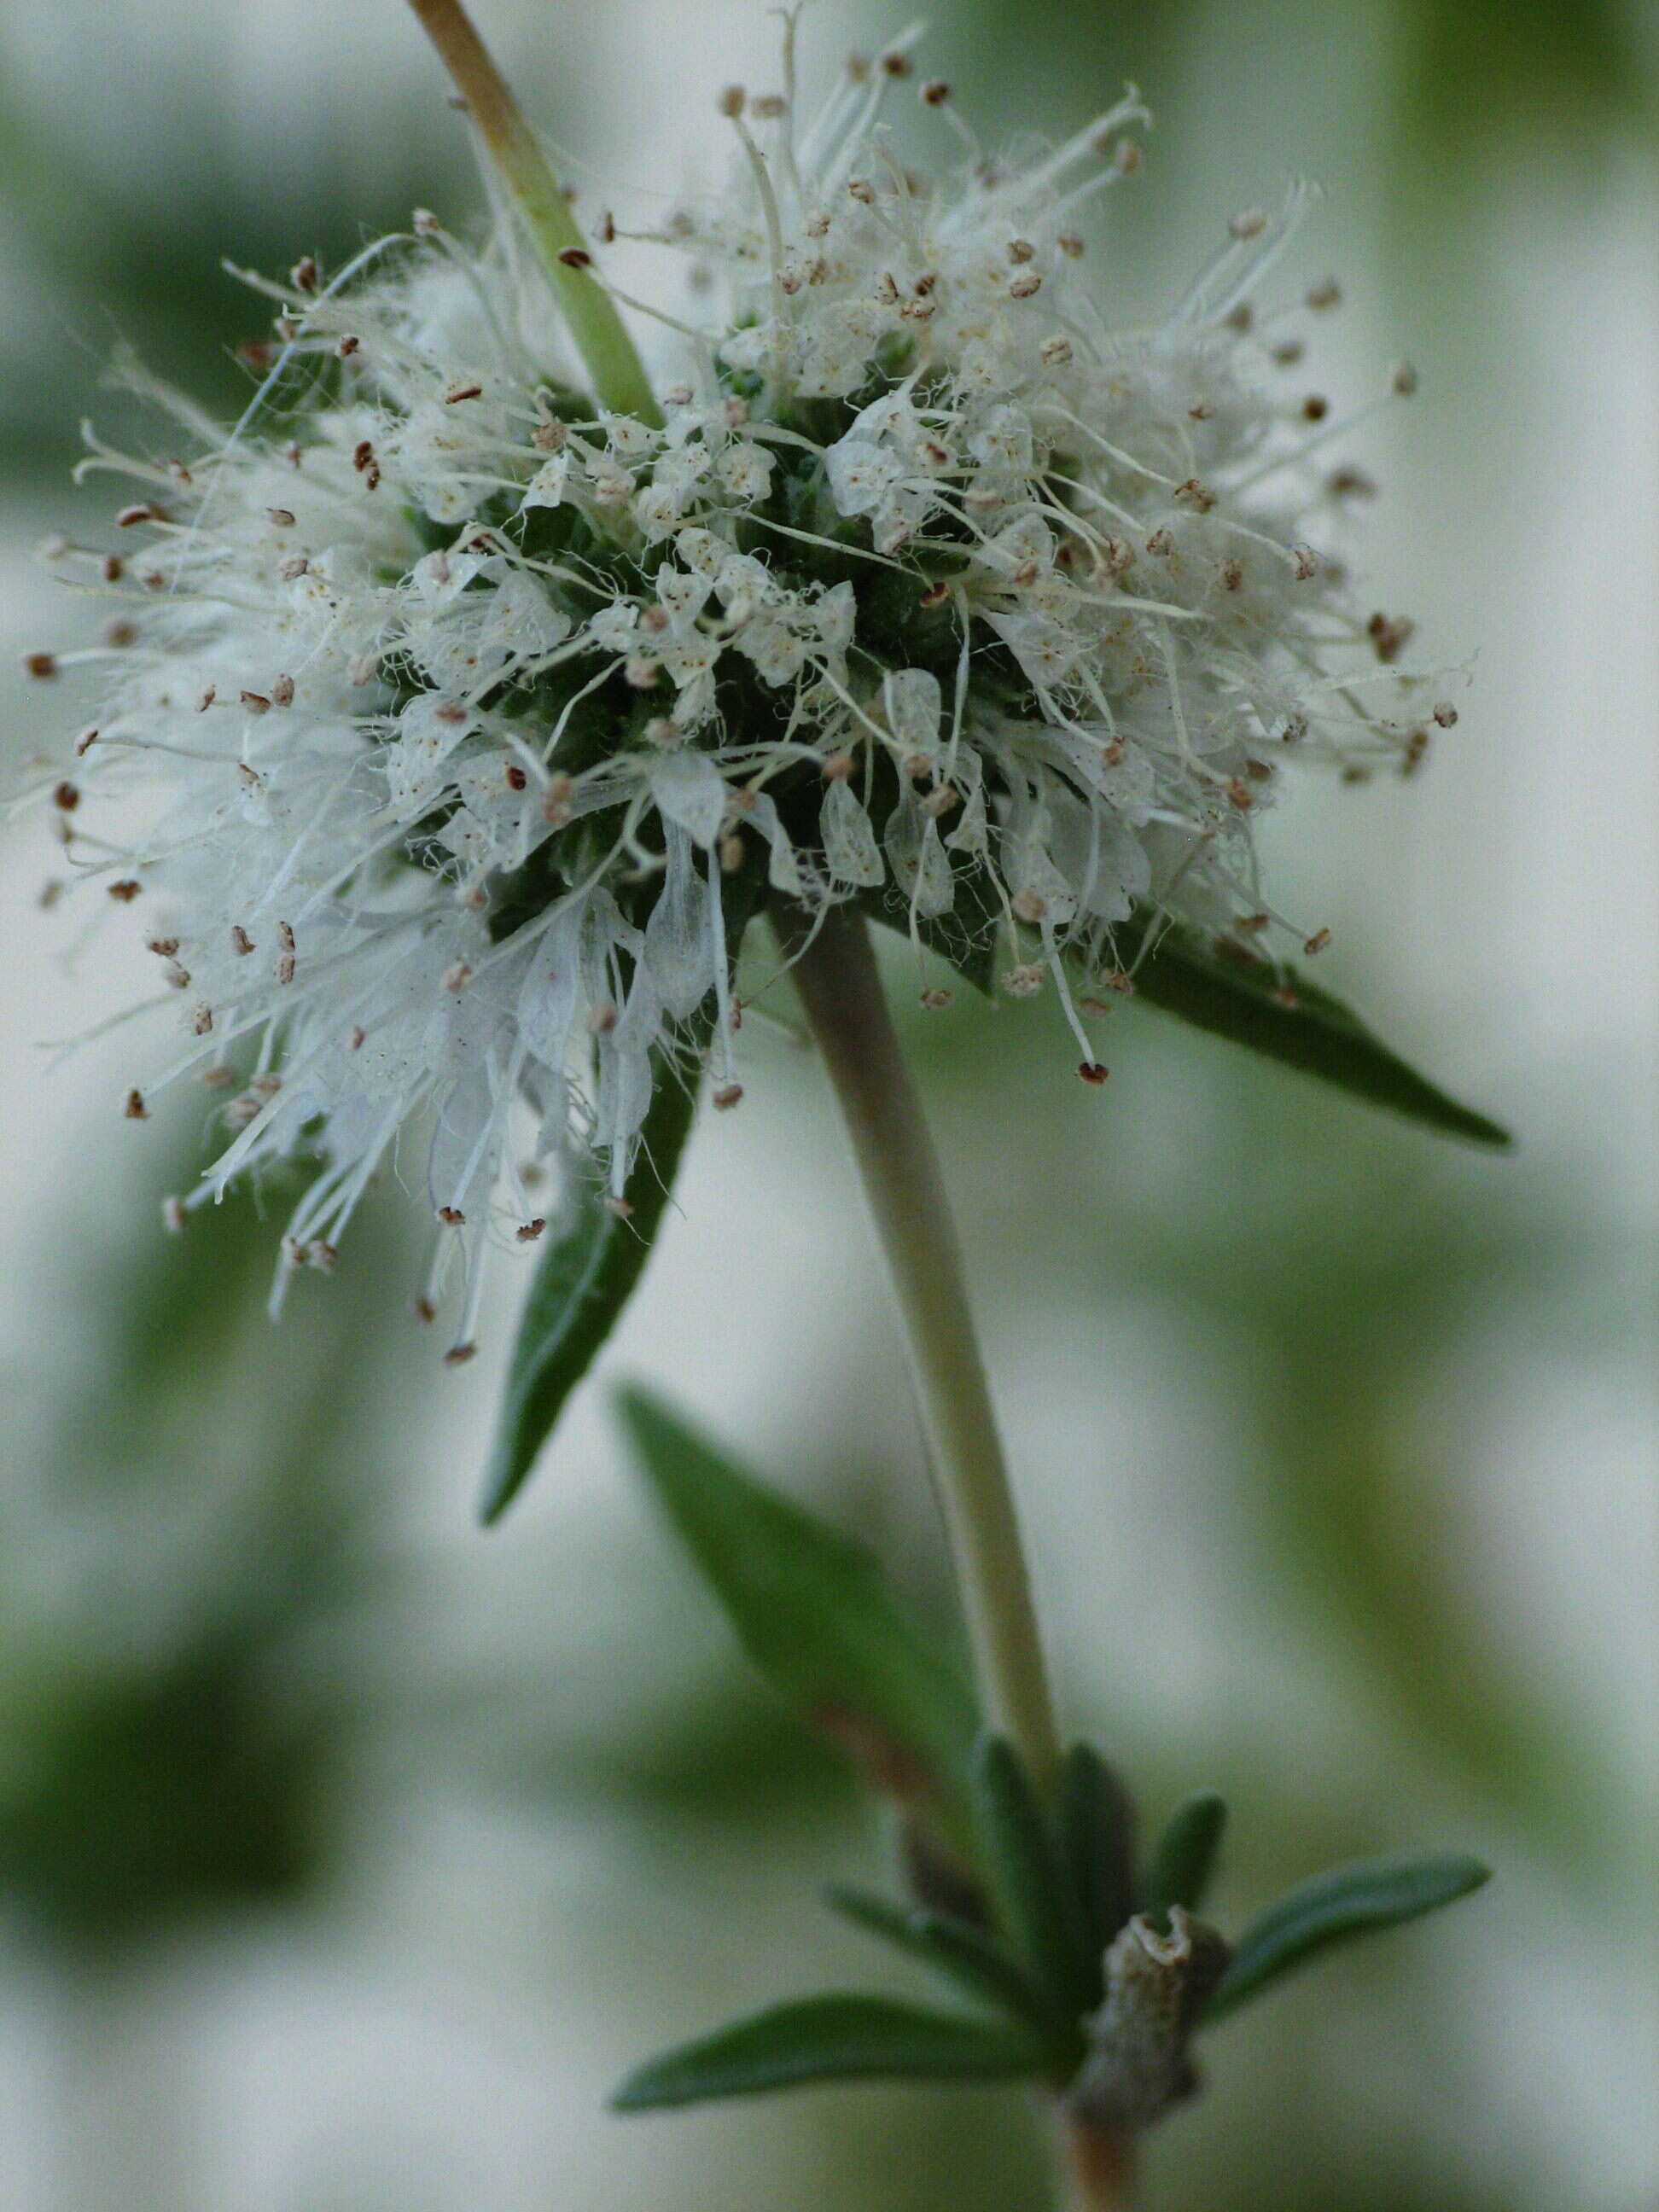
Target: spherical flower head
(456,727)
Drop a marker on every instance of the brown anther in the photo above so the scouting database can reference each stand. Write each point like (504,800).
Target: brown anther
(1416,743)
(1316,407)
(1232,575)
(1258,771)
(1356,774)
(1445,715)
(451,1217)
(126,890)
(1025,286)
(1021,250)
(1069,244)
(66,797)
(1316,943)
(1093,1072)
(605,228)
(303,275)
(1325,293)
(1111,753)
(516,778)
(147,510)
(256,702)
(201,1020)
(457,392)
(1030,906)
(1403,381)
(43,666)
(1390,634)
(422,1308)
(281,517)
(1287,355)
(602,1019)
(1194,494)
(528,1232)
(935,92)
(1127,160)
(163,947)
(726,1096)
(134,1108)
(1239,795)
(355,1036)
(1055,350)
(349,345)
(362,456)
(893,63)
(935,1000)
(458,1354)
(1283,995)
(1304,562)
(1203,413)
(1350,484)
(1241,318)
(863,191)
(732,101)
(1161,543)
(241,942)
(456,976)
(111,567)
(576,257)
(119,634)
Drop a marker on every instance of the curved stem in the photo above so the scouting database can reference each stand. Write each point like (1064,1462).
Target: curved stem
(834,974)
(600,334)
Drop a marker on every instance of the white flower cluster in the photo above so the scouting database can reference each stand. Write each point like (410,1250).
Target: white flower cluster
(456,726)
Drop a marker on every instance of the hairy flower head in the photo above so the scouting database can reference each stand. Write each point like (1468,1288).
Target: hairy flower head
(456,727)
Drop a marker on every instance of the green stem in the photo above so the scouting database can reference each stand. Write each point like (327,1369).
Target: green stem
(600,334)
(834,974)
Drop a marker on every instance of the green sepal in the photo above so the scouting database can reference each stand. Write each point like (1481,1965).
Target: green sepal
(810,1607)
(831,2039)
(1334,1908)
(1184,1858)
(583,1280)
(1097,1821)
(979,1964)
(1021,1861)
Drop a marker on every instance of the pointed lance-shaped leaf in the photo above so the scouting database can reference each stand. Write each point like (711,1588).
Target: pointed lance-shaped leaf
(1333,1908)
(1097,1843)
(1021,1861)
(583,1280)
(809,1608)
(1274,1009)
(980,1965)
(1184,1858)
(831,2039)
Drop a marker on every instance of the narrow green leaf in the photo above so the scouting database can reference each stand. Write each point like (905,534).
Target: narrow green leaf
(811,1610)
(1184,1858)
(1333,1908)
(1273,1008)
(978,1963)
(582,1283)
(1023,1862)
(1097,1843)
(830,2038)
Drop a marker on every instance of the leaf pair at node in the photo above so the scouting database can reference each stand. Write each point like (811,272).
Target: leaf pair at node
(1081,1968)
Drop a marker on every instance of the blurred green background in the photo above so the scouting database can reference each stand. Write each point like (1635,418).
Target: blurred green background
(347,1855)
